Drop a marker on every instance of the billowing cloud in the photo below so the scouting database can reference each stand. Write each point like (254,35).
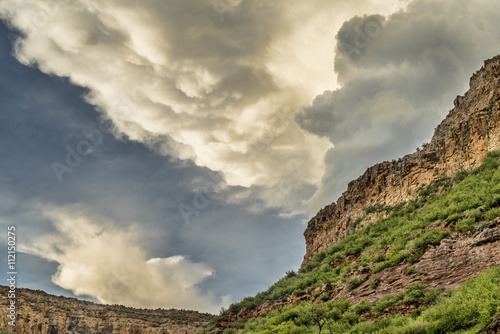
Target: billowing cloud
(217,82)
(98,259)
(399,77)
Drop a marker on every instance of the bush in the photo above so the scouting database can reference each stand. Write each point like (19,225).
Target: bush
(492,214)
(431,296)
(453,217)
(413,294)
(387,301)
(465,225)
(378,258)
(432,237)
(353,283)
(351,318)
(460,176)
(298,292)
(379,267)
(362,307)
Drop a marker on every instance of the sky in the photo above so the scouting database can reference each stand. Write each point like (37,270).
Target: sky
(169,153)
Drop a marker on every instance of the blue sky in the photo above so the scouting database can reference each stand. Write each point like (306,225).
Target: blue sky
(221,127)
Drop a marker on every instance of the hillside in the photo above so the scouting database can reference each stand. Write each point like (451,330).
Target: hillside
(412,246)
(41,313)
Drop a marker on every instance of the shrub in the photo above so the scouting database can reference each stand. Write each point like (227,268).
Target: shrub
(387,301)
(370,209)
(350,317)
(378,258)
(465,225)
(356,223)
(379,267)
(353,283)
(431,296)
(416,254)
(492,214)
(460,176)
(298,292)
(432,237)
(413,293)
(453,217)
(362,307)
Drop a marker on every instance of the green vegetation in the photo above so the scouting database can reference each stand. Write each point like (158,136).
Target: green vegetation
(473,305)
(463,203)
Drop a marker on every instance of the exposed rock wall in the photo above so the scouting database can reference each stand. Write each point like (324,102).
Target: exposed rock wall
(41,313)
(460,142)
(444,266)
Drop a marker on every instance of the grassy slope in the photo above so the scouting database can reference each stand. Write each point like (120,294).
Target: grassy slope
(468,200)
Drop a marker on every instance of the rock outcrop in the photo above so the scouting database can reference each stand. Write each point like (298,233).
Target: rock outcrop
(460,142)
(41,313)
(445,266)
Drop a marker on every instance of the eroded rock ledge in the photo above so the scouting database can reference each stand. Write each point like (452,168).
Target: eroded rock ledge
(460,142)
(41,313)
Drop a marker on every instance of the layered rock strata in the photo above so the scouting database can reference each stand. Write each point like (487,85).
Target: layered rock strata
(41,313)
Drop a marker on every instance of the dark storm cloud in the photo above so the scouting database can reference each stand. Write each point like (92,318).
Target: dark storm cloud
(399,78)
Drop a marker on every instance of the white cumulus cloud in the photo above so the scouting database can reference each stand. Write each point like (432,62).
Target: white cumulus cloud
(101,260)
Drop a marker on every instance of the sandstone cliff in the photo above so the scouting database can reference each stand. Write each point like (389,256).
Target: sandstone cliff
(460,142)
(41,313)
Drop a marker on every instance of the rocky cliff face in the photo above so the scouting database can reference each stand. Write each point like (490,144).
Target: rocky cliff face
(41,313)
(460,142)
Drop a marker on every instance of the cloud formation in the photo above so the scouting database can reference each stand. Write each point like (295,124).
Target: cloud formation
(217,82)
(399,77)
(100,260)
(192,79)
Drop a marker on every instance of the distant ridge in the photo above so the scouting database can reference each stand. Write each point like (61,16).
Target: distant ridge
(41,313)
